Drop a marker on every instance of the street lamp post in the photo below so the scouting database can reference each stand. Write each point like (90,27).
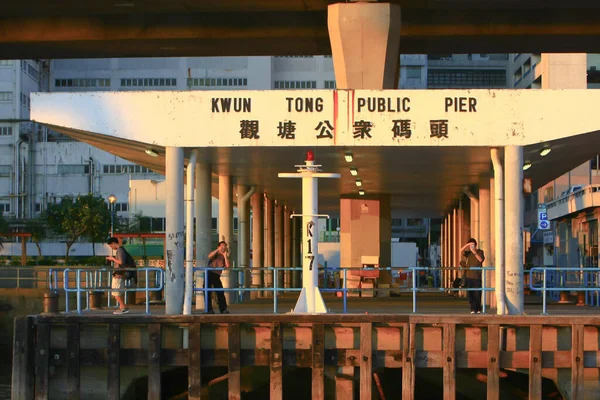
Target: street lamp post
(112,199)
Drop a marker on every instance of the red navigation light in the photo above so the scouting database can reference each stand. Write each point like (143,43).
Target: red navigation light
(310,156)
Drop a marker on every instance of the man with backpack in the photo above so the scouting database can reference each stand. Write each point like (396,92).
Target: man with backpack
(122,259)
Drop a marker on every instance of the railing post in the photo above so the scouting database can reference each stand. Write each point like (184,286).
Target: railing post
(483,291)
(274,291)
(78,289)
(147,294)
(345,292)
(18,278)
(544,291)
(206,297)
(414,291)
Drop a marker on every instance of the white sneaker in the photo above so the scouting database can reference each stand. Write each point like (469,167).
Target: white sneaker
(472,312)
(119,311)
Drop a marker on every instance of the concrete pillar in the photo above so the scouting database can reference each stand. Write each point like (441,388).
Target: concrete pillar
(243,201)
(492,222)
(499,232)
(513,204)
(296,253)
(287,247)
(226,232)
(174,271)
(189,232)
(203,211)
(279,253)
(365,44)
(484,236)
(455,261)
(269,244)
(258,235)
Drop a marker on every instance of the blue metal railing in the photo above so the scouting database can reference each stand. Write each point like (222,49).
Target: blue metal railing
(94,281)
(563,279)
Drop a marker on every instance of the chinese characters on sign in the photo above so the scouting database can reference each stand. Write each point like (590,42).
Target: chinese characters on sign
(439,128)
(287,130)
(249,129)
(402,128)
(325,130)
(362,129)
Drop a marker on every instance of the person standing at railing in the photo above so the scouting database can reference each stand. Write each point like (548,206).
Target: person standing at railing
(118,277)
(218,258)
(473,258)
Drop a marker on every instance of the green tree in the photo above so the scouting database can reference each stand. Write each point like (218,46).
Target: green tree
(39,231)
(82,216)
(4,228)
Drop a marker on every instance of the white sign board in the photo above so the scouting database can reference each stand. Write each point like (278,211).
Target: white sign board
(543,222)
(548,238)
(325,117)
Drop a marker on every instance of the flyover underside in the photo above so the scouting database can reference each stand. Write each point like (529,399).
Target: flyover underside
(270,30)
(421,181)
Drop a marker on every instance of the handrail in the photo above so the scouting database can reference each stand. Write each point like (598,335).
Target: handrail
(95,284)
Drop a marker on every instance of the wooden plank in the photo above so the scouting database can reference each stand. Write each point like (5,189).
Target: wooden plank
(234,362)
(226,318)
(514,320)
(318,370)
(113,382)
(73,379)
(366,360)
(535,362)
(194,362)
(493,358)
(449,362)
(276,374)
(154,361)
(23,359)
(577,383)
(42,356)
(408,368)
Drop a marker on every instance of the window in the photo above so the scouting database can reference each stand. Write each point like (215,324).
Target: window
(329,84)
(548,194)
(73,169)
(220,82)
(25,101)
(414,222)
(413,72)
(6,63)
(5,130)
(38,207)
(396,221)
(4,207)
(295,56)
(595,162)
(235,224)
(149,82)
(5,170)
(24,66)
(466,78)
(121,207)
(126,169)
(214,223)
(33,73)
(6,96)
(83,83)
(295,84)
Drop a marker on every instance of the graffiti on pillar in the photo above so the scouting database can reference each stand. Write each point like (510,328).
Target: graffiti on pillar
(177,238)
(170,273)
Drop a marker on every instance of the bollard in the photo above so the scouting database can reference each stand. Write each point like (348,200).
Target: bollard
(50,305)
(95,300)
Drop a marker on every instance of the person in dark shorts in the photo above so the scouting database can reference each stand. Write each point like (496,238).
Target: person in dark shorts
(218,258)
(118,277)
(473,258)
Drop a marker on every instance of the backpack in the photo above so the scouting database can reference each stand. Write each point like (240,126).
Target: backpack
(130,263)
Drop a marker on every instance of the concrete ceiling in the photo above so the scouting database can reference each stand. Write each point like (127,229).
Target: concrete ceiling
(422,181)
(163,28)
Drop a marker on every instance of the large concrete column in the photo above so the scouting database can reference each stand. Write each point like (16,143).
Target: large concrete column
(279,253)
(365,44)
(484,236)
(269,244)
(498,232)
(513,205)
(226,231)
(243,201)
(287,247)
(174,271)
(203,213)
(258,235)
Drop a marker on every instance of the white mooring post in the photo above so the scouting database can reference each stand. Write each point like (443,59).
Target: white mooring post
(310,300)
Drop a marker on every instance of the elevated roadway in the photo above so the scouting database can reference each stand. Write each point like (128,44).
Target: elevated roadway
(167,28)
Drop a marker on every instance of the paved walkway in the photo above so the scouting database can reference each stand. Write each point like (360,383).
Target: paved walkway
(426,304)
